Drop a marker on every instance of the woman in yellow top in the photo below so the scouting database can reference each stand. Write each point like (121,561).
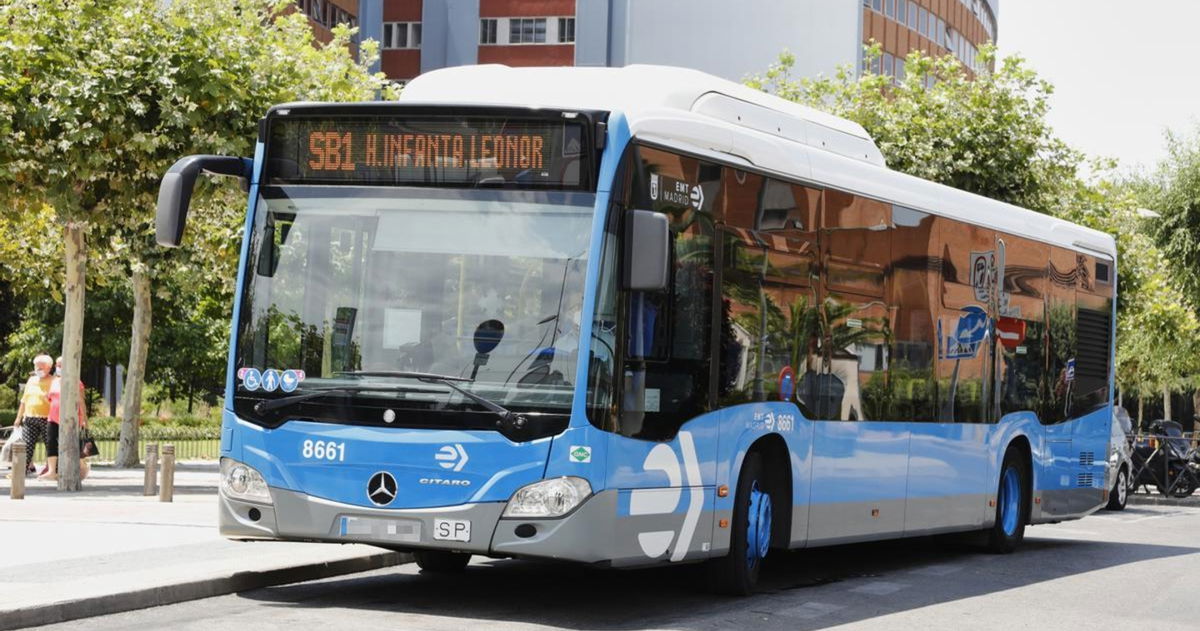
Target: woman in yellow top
(35,406)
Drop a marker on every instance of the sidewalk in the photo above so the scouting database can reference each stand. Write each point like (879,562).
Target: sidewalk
(1154,499)
(107,548)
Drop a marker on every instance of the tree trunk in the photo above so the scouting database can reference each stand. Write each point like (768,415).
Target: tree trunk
(72,353)
(1166,403)
(1191,425)
(135,375)
(1141,413)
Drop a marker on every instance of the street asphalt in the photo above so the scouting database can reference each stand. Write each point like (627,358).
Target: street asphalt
(1134,569)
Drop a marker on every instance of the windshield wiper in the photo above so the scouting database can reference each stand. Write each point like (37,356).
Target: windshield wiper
(509,420)
(264,406)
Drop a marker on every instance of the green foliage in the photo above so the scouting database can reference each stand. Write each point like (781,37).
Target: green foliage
(987,134)
(97,99)
(183,428)
(1173,191)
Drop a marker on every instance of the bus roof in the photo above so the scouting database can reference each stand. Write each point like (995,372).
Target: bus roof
(693,110)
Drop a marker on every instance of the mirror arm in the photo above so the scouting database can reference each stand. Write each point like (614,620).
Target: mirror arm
(175,191)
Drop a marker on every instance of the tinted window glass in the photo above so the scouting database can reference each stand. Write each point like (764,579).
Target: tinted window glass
(968,272)
(1021,328)
(851,381)
(668,340)
(911,383)
(1060,335)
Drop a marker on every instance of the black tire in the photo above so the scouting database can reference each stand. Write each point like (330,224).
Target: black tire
(1183,488)
(441,562)
(735,574)
(1119,494)
(1008,532)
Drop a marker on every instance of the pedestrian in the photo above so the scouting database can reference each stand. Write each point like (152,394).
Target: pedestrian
(52,417)
(35,407)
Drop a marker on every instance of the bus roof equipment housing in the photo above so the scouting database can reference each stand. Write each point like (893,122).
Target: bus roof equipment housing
(692,110)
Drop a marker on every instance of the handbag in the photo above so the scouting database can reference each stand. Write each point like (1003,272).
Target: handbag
(87,445)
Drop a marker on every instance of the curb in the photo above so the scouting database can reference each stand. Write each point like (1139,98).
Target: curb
(180,592)
(1158,500)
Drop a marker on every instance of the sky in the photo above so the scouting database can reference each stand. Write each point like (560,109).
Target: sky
(1124,71)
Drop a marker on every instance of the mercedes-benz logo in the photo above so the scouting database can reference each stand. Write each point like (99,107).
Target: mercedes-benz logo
(381,488)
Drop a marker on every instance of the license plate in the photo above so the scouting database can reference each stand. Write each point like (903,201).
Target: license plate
(452,530)
(402,530)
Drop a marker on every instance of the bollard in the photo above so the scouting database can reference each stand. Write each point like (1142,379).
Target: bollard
(166,490)
(17,492)
(151,473)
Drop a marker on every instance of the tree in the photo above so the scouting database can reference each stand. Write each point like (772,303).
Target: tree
(1173,191)
(986,135)
(98,97)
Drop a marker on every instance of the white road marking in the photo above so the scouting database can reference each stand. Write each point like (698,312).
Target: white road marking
(1149,517)
(811,610)
(879,588)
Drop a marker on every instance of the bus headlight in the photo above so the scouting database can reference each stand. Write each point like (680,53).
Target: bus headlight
(548,498)
(243,482)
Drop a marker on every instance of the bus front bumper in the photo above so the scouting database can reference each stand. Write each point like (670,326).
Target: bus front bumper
(585,535)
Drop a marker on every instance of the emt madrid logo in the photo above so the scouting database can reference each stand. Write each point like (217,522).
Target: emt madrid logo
(580,453)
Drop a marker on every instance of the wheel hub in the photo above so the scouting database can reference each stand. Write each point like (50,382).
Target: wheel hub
(758,525)
(1010,501)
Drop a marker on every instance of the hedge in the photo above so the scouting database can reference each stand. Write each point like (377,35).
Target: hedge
(159,432)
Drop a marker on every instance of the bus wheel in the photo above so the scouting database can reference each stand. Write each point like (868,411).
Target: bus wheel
(441,562)
(1120,491)
(1009,530)
(737,572)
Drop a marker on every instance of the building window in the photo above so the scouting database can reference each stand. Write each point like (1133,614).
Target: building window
(487,31)
(566,30)
(527,30)
(913,14)
(401,35)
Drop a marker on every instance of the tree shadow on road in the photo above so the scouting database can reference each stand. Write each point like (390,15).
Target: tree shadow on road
(577,597)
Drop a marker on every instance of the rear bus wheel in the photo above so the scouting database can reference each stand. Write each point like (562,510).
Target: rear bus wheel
(1009,530)
(737,572)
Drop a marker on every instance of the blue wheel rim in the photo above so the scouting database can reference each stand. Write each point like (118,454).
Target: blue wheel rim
(1010,501)
(758,526)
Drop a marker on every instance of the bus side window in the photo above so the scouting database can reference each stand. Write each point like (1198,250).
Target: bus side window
(911,393)
(769,328)
(668,335)
(1022,327)
(856,320)
(1059,381)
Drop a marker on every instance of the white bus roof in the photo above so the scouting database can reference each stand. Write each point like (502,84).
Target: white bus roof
(696,111)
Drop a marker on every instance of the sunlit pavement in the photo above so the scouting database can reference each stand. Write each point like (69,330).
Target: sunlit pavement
(109,548)
(1135,569)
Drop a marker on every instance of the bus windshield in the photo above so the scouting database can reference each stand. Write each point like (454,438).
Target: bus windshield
(344,280)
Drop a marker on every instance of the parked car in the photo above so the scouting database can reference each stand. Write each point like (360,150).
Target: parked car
(1120,460)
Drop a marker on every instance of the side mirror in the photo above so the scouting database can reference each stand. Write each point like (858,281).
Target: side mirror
(175,192)
(647,250)
(487,336)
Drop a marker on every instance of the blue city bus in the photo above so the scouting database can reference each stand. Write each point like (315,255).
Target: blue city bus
(641,316)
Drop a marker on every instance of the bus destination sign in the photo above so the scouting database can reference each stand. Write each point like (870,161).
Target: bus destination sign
(441,151)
